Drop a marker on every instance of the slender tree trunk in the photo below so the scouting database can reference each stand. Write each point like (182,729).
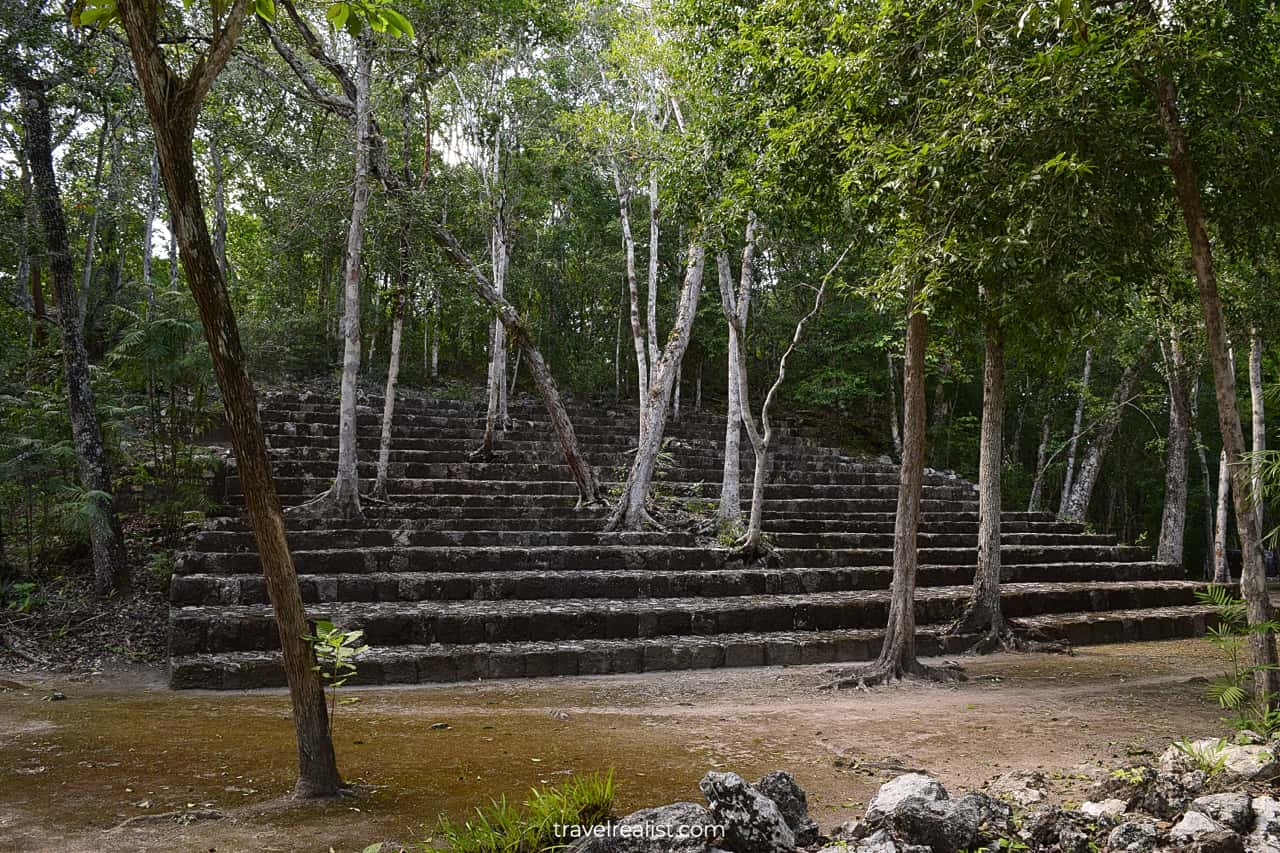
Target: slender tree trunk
(675,394)
(633,290)
(1077,504)
(393,369)
(983,613)
(697,387)
(39,314)
(895,427)
(173,111)
(343,497)
(148,228)
(1173,521)
(1221,568)
(630,512)
(653,278)
(110,563)
(173,257)
(1259,444)
(1068,478)
(1205,482)
(583,475)
(496,418)
(1253,579)
(730,509)
(20,296)
(435,332)
(91,236)
(1042,463)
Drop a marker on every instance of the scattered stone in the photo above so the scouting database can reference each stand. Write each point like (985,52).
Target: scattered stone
(1133,836)
(1019,787)
(990,817)
(1193,826)
(439,727)
(1265,834)
(781,787)
(1108,808)
(1062,830)
(752,822)
(1247,737)
(55,696)
(1237,763)
(907,786)
(1232,810)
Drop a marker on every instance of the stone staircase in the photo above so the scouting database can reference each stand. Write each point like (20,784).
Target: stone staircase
(486,569)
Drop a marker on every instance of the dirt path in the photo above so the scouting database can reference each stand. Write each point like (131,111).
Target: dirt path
(121,746)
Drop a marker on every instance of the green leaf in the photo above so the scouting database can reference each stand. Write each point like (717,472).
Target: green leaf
(265,9)
(337,15)
(399,23)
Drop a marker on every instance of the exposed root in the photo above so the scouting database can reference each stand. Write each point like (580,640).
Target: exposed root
(878,673)
(327,504)
(481,454)
(377,496)
(749,552)
(1011,636)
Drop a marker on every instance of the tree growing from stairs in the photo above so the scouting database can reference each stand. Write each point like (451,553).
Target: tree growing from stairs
(897,659)
(173,104)
(343,105)
(1077,503)
(343,497)
(1173,520)
(1073,443)
(110,563)
(630,512)
(729,512)
(751,544)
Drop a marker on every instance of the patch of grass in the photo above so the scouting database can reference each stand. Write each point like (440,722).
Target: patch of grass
(503,827)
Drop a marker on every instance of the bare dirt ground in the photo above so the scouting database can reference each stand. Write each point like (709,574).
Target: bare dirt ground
(77,773)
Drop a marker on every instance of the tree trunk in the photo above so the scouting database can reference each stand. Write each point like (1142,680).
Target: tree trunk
(1073,444)
(110,563)
(91,236)
(1253,579)
(895,426)
(630,512)
(39,315)
(435,332)
(1091,465)
(1259,444)
(219,208)
(897,657)
(496,415)
(697,387)
(173,110)
(1042,463)
(737,309)
(393,368)
(983,613)
(1221,568)
(343,497)
(1205,482)
(633,291)
(653,278)
(148,228)
(584,477)
(1173,521)
(730,509)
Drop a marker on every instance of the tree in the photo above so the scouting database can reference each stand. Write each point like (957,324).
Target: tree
(173,101)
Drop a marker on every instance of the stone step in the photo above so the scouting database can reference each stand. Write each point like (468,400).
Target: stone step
(474,559)
(376,537)
(208,589)
(236,628)
(409,486)
(432,663)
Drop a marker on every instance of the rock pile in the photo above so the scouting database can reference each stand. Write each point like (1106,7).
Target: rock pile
(1207,796)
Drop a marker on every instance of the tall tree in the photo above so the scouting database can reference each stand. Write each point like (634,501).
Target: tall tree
(173,101)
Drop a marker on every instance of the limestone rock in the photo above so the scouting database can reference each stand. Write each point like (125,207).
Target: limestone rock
(752,822)
(1022,788)
(781,787)
(907,786)
(1061,830)
(1193,826)
(1109,808)
(1133,836)
(1232,810)
(1264,836)
(1239,762)
(674,828)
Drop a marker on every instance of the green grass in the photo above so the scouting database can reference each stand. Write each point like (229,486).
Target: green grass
(503,827)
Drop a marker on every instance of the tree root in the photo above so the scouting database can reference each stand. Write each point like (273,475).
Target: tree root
(1011,636)
(326,505)
(753,552)
(480,454)
(880,673)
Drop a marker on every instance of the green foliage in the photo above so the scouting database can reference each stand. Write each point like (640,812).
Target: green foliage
(1233,690)
(20,596)
(503,827)
(336,651)
(1210,759)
